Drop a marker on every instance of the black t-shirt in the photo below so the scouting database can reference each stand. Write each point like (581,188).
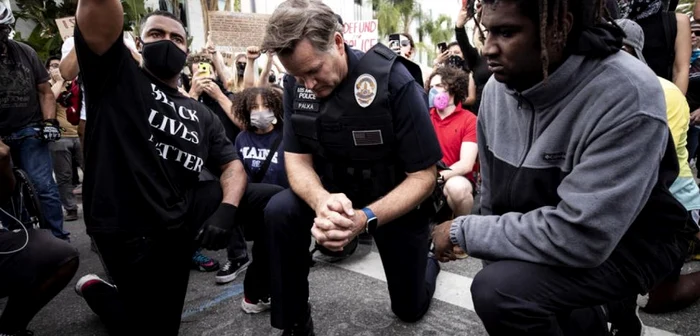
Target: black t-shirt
(146,145)
(417,145)
(21,72)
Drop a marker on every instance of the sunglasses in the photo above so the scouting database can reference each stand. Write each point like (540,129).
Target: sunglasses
(405,43)
(695,32)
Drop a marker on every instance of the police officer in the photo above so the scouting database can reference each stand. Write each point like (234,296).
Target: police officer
(360,155)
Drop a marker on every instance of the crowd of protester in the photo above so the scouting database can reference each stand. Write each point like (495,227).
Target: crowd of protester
(523,137)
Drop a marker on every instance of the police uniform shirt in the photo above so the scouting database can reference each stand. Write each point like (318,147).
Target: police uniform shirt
(417,144)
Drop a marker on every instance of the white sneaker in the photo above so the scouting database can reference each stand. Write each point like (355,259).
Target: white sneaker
(88,280)
(255,308)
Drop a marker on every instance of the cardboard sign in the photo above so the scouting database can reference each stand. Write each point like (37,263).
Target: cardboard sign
(361,35)
(66,26)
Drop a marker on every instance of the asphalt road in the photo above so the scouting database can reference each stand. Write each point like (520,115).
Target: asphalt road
(348,299)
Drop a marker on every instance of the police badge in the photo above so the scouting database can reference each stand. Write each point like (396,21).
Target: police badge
(365,90)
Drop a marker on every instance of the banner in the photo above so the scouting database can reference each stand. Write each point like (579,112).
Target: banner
(361,35)
(66,26)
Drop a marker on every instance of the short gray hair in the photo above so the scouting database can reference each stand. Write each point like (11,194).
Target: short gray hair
(295,20)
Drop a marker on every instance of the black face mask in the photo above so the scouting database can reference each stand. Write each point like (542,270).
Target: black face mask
(163,58)
(455,62)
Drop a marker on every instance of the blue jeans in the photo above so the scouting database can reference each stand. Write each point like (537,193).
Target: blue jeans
(33,156)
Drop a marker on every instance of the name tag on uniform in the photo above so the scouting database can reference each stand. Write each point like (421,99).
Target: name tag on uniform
(305,100)
(367,138)
(306,106)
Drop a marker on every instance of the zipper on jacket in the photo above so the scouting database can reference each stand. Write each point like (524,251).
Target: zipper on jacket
(531,139)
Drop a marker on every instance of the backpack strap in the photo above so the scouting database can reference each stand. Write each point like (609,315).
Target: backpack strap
(266,165)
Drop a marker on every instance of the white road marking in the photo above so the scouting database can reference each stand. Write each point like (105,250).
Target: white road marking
(451,288)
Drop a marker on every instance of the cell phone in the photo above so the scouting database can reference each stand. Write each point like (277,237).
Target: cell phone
(442,46)
(394,39)
(205,69)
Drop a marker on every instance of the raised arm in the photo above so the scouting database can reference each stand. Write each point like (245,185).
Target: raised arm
(100,23)
(69,66)
(681,65)
(265,74)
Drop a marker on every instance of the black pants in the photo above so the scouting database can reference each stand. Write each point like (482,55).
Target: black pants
(402,244)
(251,228)
(521,298)
(151,272)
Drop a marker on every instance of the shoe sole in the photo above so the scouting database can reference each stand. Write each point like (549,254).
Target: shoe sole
(228,278)
(250,308)
(87,278)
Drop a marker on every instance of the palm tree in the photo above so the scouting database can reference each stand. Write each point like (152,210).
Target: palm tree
(388,16)
(686,7)
(439,30)
(407,10)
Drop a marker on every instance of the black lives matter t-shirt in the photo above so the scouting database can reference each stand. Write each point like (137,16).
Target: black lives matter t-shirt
(21,72)
(145,145)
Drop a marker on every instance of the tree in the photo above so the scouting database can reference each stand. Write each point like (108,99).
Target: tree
(388,16)
(686,7)
(439,30)
(407,10)
(45,39)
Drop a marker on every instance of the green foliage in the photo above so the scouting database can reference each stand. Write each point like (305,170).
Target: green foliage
(686,7)
(45,39)
(134,10)
(439,30)
(388,17)
(407,10)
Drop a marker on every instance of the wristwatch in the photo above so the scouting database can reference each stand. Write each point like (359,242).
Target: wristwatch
(372,221)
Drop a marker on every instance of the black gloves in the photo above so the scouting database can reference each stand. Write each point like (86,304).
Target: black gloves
(216,231)
(50,130)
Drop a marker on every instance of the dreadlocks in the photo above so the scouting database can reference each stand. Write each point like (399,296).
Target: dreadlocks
(550,16)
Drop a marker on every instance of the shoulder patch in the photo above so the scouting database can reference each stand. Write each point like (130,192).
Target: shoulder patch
(365,90)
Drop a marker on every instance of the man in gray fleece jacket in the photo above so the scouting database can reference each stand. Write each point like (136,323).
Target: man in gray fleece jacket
(576,160)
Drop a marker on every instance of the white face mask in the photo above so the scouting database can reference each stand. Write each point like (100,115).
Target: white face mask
(262,119)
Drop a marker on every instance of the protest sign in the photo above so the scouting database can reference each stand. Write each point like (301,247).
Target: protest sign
(361,35)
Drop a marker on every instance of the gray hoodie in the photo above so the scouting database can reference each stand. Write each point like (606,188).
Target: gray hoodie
(572,166)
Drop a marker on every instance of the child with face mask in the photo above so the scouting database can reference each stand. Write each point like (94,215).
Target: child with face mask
(260,109)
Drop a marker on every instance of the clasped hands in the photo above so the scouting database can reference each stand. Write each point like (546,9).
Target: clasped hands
(337,223)
(444,249)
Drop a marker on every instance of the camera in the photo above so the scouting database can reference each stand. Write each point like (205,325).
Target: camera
(64,98)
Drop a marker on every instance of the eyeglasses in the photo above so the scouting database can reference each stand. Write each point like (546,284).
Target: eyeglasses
(405,43)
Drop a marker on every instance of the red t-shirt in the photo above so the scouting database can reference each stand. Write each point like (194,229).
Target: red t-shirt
(458,127)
